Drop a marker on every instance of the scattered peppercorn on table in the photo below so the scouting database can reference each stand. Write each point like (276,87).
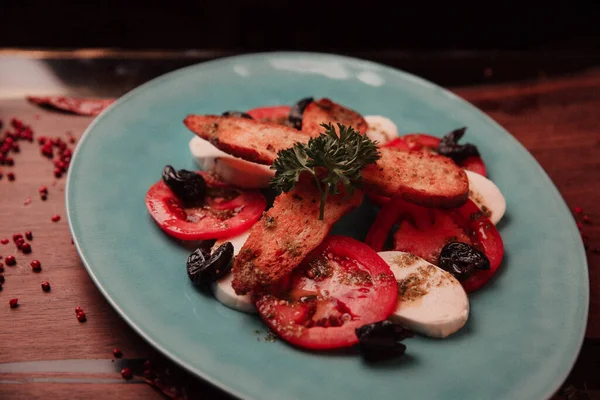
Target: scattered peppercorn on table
(61,339)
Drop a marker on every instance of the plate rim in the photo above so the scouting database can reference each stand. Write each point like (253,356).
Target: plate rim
(401,74)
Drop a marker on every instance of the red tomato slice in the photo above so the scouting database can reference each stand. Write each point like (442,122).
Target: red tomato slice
(399,143)
(340,286)
(432,233)
(276,114)
(425,231)
(378,199)
(485,237)
(422,141)
(414,141)
(227,211)
(474,164)
(388,216)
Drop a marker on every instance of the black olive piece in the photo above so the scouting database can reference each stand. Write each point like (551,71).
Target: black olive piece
(461,259)
(450,148)
(295,117)
(207,244)
(381,340)
(237,114)
(188,186)
(203,267)
(196,261)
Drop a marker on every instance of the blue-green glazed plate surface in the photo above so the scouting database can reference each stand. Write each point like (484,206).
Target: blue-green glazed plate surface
(526,326)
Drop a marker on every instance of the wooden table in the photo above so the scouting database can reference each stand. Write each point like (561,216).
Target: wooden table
(47,353)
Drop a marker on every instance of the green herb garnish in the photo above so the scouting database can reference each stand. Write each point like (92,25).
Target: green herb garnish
(331,159)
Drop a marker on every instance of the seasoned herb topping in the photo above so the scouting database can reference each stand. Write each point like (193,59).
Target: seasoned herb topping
(334,161)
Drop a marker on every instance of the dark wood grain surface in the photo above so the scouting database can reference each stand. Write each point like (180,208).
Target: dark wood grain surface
(556,119)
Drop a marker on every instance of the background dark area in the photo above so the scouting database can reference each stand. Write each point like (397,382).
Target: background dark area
(449,43)
(302,25)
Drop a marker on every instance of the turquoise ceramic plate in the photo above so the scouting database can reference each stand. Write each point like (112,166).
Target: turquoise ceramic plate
(525,329)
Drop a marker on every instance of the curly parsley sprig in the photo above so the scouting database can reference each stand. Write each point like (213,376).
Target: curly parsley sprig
(332,159)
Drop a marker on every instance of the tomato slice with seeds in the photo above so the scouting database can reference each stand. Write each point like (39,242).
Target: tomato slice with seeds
(276,114)
(227,211)
(425,231)
(342,285)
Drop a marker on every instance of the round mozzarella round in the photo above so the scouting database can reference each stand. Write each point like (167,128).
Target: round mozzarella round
(226,295)
(430,300)
(223,290)
(238,172)
(237,242)
(487,196)
(381,129)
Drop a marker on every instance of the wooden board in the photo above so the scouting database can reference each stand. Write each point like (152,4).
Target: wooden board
(557,120)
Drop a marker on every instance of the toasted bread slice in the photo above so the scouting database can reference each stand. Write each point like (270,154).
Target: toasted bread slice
(418,177)
(285,234)
(253,141)
(326,111)
(426,179)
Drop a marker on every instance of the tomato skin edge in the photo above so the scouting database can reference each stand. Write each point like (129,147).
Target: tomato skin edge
(385,220)
(474,164)
(324,338)
(156,203)
(269,112)
(471,218)
(493,246)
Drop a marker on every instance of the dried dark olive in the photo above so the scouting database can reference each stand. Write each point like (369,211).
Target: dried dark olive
(188,186)
(461,259)
(381,340)
(237,114)
(295,117)
(196,261)
(203,267)
(450,148)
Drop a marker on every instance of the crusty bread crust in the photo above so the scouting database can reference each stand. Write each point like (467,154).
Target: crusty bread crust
(326,111)
(418,177)
(422,178)
(253,141)
(286,233)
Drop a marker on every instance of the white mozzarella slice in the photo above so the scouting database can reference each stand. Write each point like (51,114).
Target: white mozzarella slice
(430,300)
(238,172)
(226,295)
(237,242)
(381,129)
(487,196)
(222,288)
